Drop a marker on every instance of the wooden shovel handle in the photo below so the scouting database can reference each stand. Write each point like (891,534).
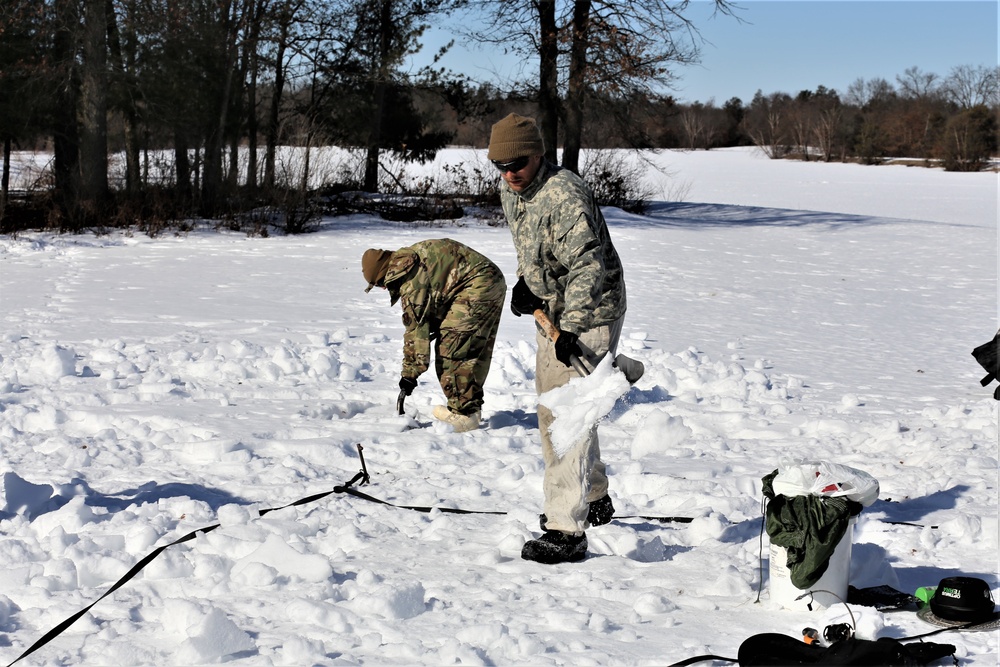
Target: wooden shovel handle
(553,333)
(546,324)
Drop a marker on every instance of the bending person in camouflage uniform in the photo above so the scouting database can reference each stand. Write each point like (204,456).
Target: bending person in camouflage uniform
(452,295)
(568,267)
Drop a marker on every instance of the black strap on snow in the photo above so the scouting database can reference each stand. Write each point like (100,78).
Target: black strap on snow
(348,488)
(660,519)
(59,629)
(702,658)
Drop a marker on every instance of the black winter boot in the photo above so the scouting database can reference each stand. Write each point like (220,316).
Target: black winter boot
(600,512)
(555,547)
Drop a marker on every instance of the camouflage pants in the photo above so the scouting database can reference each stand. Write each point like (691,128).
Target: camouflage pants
(463,349)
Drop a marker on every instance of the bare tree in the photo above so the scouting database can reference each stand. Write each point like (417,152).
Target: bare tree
(968,86)
(699,126)
(632,47)
(607,47)
(864,93)
(826,130)
(917,85)
(766,123)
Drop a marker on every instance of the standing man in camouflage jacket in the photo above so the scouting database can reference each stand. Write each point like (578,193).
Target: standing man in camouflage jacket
(568,267)
(452,295)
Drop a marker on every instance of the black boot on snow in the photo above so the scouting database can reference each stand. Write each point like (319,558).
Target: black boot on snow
(555,546)
(601,511)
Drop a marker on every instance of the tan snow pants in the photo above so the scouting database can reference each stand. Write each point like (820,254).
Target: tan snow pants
(572,482)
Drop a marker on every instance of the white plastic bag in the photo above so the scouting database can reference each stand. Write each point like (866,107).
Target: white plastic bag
(825,479)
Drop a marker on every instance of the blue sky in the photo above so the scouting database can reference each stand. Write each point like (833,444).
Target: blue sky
(788,46)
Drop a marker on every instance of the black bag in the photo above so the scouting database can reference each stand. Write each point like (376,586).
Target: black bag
(776,650)
(988,356)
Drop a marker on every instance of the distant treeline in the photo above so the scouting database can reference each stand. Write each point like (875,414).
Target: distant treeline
(946,121)
(164,110)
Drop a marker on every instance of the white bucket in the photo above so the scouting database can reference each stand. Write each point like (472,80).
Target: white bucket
(835,579)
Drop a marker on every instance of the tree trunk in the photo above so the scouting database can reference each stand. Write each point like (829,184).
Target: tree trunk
(577,85)
(182,165)
(211,186)
(124,66)
(65,135)
(251,180)
(381,71)
(242,52)
(5,177)
(251,108)
(548,78)
(93,108)
(374,137)
(273,116)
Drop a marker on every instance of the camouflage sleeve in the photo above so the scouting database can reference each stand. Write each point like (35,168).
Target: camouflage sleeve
(416,347)
(578,248)
(416,296)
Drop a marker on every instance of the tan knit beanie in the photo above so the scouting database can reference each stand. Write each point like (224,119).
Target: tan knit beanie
(513,137)
(374,266)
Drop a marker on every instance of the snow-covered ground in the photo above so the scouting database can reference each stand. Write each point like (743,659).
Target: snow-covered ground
(784,311)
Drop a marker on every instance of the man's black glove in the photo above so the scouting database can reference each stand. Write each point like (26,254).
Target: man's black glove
(407,385)
(522,301)
(567,345)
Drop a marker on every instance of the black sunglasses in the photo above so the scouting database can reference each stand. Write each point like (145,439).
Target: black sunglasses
(514,165)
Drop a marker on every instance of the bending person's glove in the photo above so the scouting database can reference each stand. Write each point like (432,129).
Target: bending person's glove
(407,385)
(522,300)
(568,345)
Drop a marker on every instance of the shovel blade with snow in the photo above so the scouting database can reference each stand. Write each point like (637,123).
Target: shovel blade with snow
(631,368)
(581,403)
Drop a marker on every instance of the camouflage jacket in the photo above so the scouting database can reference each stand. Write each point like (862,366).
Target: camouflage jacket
(564,250)
(428,277)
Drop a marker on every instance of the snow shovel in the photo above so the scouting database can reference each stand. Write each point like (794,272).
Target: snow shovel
(553,333)
(580,404)
(632,368)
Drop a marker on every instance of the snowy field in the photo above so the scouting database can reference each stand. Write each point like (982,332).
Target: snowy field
(785,311)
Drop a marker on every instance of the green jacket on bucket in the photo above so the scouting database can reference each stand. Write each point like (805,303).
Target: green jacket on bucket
(808,527)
